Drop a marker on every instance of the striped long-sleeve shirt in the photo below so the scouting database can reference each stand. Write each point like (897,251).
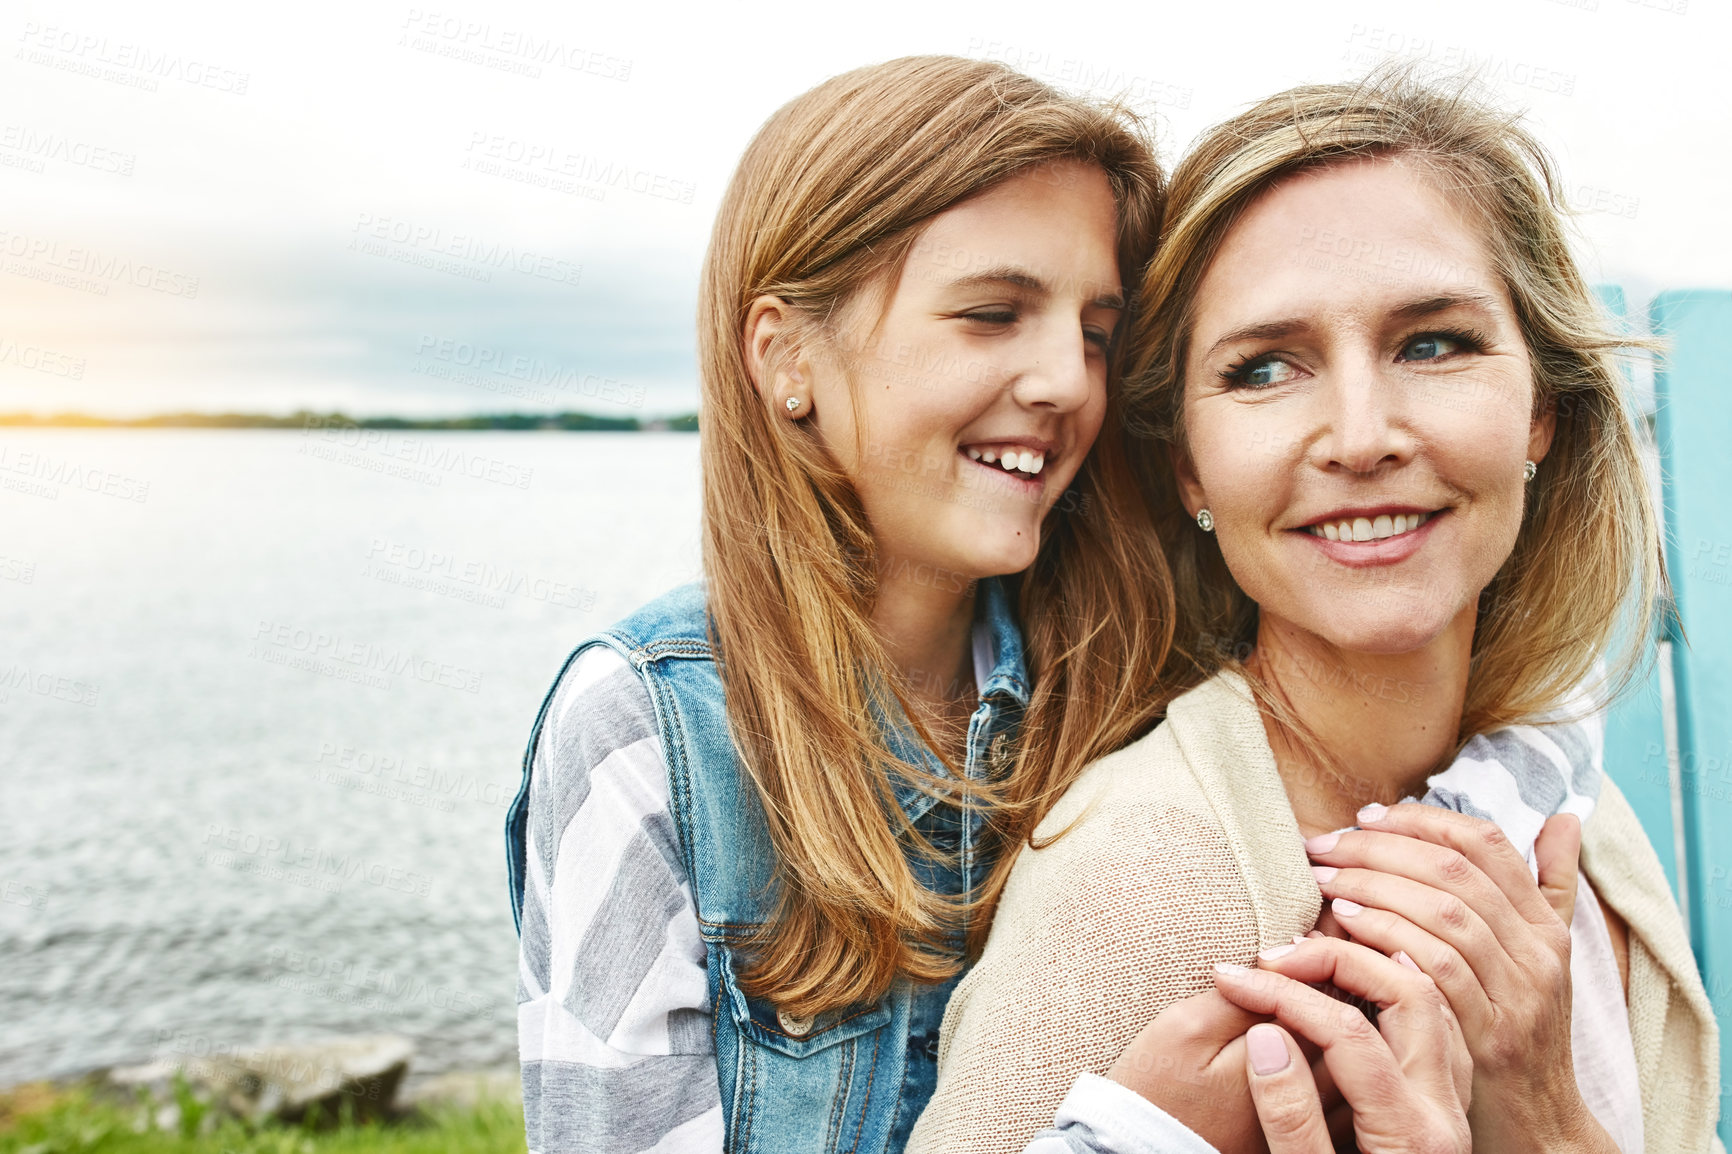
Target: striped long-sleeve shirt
(612,1003)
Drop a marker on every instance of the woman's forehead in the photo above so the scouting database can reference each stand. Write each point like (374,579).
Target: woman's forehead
(1364,238)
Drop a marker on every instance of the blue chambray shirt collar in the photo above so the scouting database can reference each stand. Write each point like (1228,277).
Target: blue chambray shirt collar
(993,609)
(1003,697)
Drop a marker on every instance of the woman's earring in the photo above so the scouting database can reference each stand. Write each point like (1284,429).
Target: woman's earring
(1205,521)
(1528,470)
(793,404)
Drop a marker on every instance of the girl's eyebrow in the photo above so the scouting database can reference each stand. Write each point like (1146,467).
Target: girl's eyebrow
(1411,310)
(1022,278)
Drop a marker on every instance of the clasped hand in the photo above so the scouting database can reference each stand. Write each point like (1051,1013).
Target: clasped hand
(1466,957)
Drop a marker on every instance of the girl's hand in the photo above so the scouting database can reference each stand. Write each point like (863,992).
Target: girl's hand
(1449,892)
(1406,1079)
(1190,1061)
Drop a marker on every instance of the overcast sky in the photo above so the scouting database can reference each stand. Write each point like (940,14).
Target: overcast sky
(360,205)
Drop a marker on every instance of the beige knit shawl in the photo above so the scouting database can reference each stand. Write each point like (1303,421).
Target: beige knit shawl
(1185,853)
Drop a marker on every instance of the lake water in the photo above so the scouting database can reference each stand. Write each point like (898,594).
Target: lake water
(263,702)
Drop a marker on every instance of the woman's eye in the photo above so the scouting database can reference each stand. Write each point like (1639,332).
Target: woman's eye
(1430,347)
(992,317)
(1098,338)
(1261,374)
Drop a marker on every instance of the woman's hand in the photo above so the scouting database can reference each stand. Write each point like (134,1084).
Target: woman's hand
(1450,893)
(1406,1080)
(1284,1093)
(1190,1061)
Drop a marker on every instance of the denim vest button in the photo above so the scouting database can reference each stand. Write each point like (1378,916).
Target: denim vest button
(793,1023)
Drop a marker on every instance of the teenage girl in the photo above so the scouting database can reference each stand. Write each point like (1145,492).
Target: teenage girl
(763,816)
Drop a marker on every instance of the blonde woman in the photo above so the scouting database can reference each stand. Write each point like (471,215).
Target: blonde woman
(761,815)
(1404,509)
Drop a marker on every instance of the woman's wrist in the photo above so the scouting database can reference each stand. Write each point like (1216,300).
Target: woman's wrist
(1559,1122)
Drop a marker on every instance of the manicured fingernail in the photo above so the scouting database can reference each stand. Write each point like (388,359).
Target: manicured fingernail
(1267,1048)
(1231,969)
(1274,952)
(1324,873)
(1372,813)
(1344,908)
(1322,843)
(1401,956)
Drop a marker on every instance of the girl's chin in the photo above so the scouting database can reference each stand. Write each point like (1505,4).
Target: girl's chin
(1012,556)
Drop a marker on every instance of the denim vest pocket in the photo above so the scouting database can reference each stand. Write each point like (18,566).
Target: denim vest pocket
(758,1020)
(822,1086)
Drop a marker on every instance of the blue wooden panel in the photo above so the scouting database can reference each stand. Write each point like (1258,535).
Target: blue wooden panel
(1694,421)
(1635,727)
(1636,760)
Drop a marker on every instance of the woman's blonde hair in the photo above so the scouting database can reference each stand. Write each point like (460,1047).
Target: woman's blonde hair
(828,199)
(1588,554)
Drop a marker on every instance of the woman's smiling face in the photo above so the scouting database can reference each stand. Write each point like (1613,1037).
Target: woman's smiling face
(1358,407)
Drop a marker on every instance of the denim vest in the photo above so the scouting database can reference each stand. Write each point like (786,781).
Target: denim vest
(853,1079)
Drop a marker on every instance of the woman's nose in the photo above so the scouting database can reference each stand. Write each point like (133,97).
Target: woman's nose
(1363,428)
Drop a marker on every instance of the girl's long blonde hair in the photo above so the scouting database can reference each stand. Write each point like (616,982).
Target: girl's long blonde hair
(1588,554)
(827,200)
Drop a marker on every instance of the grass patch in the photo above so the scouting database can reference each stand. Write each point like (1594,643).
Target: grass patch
(38,1119)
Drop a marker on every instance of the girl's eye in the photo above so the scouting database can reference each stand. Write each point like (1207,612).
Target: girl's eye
(1431,347)
(1261,374)
(992,317)
(1100,339)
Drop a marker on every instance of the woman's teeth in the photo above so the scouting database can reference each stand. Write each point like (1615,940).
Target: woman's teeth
(1012,458)
(1370,528)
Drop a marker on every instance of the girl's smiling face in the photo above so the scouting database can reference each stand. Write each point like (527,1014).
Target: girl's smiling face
(1358,407)
(962,406)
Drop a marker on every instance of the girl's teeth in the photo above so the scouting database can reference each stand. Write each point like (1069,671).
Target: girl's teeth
(1011,459)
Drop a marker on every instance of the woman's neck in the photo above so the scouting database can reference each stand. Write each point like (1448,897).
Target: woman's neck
(927,634)
(1385,721)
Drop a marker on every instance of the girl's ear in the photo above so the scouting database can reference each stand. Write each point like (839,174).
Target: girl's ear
(777,367)
(1185,473)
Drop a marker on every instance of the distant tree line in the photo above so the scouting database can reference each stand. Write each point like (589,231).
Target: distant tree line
(302,418)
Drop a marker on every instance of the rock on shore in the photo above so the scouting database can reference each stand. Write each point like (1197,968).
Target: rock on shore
(357,1077)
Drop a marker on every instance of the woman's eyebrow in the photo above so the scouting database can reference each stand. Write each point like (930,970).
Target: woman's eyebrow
(1442,303)
(1019,277)
(1263,331)
(1410,310)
